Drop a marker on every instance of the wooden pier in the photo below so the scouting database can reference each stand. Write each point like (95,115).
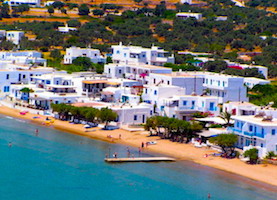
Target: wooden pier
(141,159)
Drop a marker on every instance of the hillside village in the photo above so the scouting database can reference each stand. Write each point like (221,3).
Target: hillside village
(139,84)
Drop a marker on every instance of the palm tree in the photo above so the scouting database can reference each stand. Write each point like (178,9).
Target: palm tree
(226,116)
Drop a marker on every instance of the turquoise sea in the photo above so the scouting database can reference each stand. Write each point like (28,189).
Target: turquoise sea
(55,165)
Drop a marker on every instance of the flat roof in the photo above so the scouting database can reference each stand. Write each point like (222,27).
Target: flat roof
(256,120)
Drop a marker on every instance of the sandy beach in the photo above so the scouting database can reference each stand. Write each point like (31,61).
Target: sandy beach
(263,173)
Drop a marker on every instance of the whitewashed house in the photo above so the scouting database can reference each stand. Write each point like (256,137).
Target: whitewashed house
(18,76)
(183,106)
(22,57)
(14,36)
(185,15)
(191,83)
(256,131)
(154,94)
(227,87)
(134,72)
(32,3)
(74,52)
(240,108)
(250,82)
(140,55)
(186,1)
(66,29)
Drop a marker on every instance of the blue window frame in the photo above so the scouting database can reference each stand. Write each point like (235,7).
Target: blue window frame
(273,132)
(184,103)
(155,92)
(135,117)
(251,128)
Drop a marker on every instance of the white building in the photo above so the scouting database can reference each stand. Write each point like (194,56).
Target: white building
(47,89)
(22,57)
(252,81)
(14,36)
(240,108)
(13,76)
(66,29)
(227,87)
(134,72)
(132,114)
(186,1)
(74,52)
(183,106)
(185,15)
(127,113)
(192,83)
(257,131)
(139,55)
(32,3)
(154,94)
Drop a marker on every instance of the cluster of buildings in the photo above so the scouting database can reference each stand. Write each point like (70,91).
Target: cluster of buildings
(137,86)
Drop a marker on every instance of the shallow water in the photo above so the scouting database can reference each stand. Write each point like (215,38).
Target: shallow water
(55,165)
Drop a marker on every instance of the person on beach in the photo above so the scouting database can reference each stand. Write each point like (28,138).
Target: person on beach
(119,137)
(139,151)
(209,195)
(36,132)
(10,144)
(128,152)
(142,144)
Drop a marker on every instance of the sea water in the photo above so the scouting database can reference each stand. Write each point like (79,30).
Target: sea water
(54,165)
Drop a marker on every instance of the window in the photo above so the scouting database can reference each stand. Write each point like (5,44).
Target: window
(218,82)
(168,82)
(154,81)
(109,71)
(119,71)
(135,117)
(125,54)
(151,112)
(6,88)
(250,128)
(184,103)
(118,52)
(155,92)
(273,132)
(146,91)
(7,76)
(174,116)
(262,144)
(192,104)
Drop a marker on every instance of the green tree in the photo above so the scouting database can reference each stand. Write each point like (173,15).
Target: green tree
(252,154)
(74,23)
(56,54)
(84,62)
(91,114)
(98,12)
(58,4)
(50,10)
(83,9)
(226,142)
(106,115)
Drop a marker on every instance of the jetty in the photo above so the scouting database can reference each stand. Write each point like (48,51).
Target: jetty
(141,159)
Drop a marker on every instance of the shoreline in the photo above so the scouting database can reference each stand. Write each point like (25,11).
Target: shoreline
(262,174)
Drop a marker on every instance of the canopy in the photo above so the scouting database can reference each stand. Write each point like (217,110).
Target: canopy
(216,120)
